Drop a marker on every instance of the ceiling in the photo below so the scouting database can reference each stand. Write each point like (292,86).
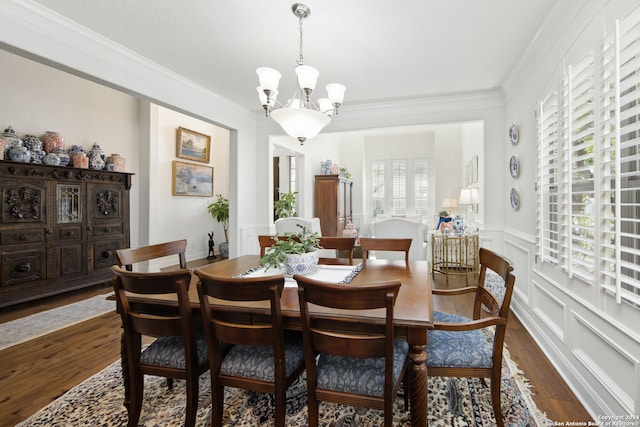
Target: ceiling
(381,50)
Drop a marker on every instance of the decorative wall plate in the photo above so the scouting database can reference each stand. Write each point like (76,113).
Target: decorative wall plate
(514,167)
(515,199)
(514,135)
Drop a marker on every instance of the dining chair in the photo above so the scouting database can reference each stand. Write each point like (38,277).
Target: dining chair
(266,241)
(460,346)
(256,355)
(361,365)
(129,256)
(178,351)
(384,244)
(340,245)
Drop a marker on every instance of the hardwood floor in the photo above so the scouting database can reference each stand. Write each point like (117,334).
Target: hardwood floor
(37,372)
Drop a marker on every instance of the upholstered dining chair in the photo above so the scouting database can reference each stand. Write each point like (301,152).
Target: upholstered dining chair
(472,347)
(340,245)
(384,244)
(352,366)
(130,256)
(255,354)
(177,352)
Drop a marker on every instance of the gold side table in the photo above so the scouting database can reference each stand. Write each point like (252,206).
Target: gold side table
(454,254)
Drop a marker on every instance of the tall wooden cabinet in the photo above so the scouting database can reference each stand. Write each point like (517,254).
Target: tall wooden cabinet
(333,197)
(59,228)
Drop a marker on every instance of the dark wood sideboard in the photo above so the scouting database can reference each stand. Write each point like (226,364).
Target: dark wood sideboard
(59,228)
(333,194)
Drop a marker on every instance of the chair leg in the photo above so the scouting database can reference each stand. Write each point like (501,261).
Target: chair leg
(312,410)
(217,401)
(136,393)
(495,399)
(193,385)
(281,406)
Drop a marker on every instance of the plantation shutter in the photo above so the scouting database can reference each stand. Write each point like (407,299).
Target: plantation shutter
(549,158)
(422,189)
(399,187)
(377,188)
(581,126)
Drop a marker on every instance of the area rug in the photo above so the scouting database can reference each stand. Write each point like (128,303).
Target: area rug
(30,327)
(452,402)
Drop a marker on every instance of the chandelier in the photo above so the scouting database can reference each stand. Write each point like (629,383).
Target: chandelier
(300,117)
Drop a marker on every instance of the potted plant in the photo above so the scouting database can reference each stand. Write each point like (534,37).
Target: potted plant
(219,210)
(298,252)
(285,207)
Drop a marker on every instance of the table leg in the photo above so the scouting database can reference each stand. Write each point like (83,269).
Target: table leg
(418,379)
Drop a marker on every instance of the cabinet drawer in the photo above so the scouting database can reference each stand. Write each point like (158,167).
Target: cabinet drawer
(22,266)
(70,233)
(107,229)
(104,254)
(21,236)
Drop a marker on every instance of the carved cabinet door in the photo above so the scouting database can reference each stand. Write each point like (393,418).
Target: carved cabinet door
(69,229)
(108,206)
(23,233)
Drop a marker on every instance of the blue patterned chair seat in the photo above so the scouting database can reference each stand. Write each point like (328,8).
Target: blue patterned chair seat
(355,375)
(256,362)
(458,349)
(169,351)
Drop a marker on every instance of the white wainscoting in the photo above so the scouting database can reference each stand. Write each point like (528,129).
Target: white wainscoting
(596,353)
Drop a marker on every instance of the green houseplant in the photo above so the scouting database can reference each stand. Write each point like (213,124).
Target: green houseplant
(298,252)
(285,207)
(219,210)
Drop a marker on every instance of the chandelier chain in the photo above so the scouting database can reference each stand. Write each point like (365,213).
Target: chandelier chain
(300,55)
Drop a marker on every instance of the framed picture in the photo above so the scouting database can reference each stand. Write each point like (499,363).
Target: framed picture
(192,180)
(193,145)
(474,169)
(467,174)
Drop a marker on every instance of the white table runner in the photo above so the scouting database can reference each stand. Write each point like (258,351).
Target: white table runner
(342,274)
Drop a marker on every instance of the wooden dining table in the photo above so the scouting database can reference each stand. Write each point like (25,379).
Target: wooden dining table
(413,313)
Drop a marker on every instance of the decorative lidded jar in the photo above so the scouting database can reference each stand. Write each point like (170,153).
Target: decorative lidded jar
(62,154)
(118,162)
(52,140)
(10,140)
(97,157)
(18,153)
(51,159)
(80,160)
(350,230)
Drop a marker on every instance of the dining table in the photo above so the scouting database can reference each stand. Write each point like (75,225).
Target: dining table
(413,311)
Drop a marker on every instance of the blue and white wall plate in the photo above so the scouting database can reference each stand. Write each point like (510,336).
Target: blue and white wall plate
(514,167)
(514,135)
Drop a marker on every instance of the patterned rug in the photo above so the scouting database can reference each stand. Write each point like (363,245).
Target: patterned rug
(452,402)
(30,327)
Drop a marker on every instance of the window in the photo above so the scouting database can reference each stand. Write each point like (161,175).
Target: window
(400,187)
(589,166)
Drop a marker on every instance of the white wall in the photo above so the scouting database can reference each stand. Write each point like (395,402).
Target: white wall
(174,217)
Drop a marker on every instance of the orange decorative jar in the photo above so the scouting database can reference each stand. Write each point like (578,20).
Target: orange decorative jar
(51,141)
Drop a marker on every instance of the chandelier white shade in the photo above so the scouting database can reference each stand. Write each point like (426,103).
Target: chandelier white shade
(299,117)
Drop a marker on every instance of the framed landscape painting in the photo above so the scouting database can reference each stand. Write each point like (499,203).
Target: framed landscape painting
(193,145)
(192,180)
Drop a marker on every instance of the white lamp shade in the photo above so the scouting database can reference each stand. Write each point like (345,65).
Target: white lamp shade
(269,78)
(307,77)
(469,196)
(325,106)
(336,92)
(300,122)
